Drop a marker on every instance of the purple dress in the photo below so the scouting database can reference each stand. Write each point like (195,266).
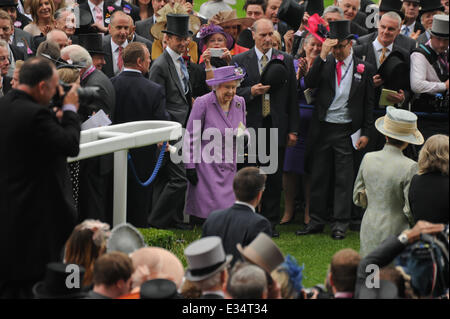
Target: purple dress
(214,190)
(294,161)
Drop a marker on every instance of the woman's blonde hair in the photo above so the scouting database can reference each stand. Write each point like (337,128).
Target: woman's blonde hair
(433,156)
(277,37)
(68,75)
(33,6)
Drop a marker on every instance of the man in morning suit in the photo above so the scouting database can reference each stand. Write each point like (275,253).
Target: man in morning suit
(138,99)
(95,195)
(36,201)
(240,223)
(281,111)
(344,103)
(143,27)
(169,70)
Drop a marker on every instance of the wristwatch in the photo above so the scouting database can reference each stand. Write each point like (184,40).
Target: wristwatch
(403,238)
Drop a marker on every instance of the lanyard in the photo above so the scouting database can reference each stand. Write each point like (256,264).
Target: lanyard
(345,74)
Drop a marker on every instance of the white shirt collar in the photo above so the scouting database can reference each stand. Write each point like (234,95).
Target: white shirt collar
(118,3)
(347,59)
(245,204)
(259,54)
(114,46)
(213,292)
(378,46)
(92,6)
(132,70)
(410,27)
(175,56)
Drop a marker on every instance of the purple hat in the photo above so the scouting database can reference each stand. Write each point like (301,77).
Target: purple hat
(210,29)
(226,74)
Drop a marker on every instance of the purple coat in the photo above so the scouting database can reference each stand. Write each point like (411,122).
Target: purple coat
(215,179)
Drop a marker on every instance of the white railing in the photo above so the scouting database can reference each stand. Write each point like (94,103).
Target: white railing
(118,139)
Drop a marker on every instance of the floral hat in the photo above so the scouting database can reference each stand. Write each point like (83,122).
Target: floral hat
(316,26)
(226,74)
(210,29)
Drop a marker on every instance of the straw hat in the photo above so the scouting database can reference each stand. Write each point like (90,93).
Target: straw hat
(401,125)
(161,21)
(263,252)
(227,18)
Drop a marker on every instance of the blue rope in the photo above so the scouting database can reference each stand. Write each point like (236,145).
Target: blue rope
(155,170)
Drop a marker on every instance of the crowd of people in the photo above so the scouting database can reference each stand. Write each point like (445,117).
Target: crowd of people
(343,110)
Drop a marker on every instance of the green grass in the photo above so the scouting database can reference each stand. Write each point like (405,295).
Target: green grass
(313,251)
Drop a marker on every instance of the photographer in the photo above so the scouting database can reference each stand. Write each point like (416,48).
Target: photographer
(36,203)
(429,80)
(425,272)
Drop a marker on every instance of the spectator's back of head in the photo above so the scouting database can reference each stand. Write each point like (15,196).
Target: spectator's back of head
(77,55)
(434,155)
(49,48)
(133,52)
(112,267)
(247,184)
(247,281)
(343,270)
(35,70)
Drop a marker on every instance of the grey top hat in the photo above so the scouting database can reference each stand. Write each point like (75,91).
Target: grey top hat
(262,251)
(125,238)
(401,125)
(205,257)
(440,26)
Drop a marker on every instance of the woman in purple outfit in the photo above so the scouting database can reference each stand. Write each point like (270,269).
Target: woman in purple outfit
(294,159)
(209,147)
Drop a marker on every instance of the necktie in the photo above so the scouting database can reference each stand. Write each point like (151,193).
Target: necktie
(265,97)
(120,59)
(383,55)
(185,73)
(339,71)
(98,15)
(406,31)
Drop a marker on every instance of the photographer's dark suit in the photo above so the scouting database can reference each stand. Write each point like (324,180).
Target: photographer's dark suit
(283,116)
(170,185)
(329,146)
(95,195)
(36,202)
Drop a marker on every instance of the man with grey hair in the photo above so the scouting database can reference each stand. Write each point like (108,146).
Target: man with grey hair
(333,13)
(93,197)
(66,21)
(4,66)
(247,281)
(352,13)
(59,37)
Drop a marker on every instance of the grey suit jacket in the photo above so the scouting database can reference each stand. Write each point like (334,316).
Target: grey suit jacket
(422,39)
(21,38)
(401,41)
(163,72)
(108,68)
(148,43)
(143,28)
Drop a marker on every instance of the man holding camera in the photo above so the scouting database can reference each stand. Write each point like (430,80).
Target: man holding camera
(36,203)
(429,80)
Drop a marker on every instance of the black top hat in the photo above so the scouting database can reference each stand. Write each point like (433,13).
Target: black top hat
(340,30)
(315,6)
(158,289)
(92,42)
(431,5)
(7,3)
(395,72)
(178,24)
(274,74)
(292,13)
(391,5)
(54,284)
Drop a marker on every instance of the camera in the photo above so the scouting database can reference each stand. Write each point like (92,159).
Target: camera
(86,95)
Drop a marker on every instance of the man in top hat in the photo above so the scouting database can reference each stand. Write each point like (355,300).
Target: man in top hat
(266,109)
(169,70)
(428,9)
(138,99)
(411,23)
(429,80)
(344,103)
(93,43)
(207,266)
(15,10)
(405,42)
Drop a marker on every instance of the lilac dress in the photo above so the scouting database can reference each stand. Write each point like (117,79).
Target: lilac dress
(294,161)
(214,190)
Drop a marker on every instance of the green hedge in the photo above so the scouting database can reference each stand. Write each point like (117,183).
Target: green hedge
(158,237)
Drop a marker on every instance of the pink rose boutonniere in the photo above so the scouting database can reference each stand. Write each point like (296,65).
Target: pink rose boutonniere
(110,8)
(360,68)
(278,57)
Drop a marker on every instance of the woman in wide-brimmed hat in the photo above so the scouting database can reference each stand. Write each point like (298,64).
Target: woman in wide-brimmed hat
(210,178)
(384,178)
(214,38)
